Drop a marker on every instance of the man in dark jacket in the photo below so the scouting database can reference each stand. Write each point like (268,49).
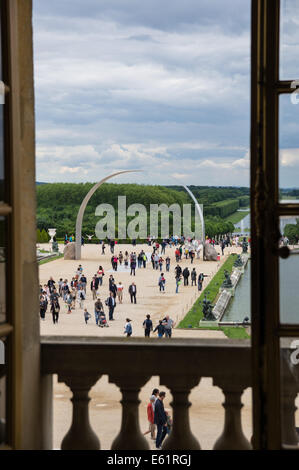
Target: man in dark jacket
(178,271)
(133,292)
(186,274)
(160,420)
(111,304)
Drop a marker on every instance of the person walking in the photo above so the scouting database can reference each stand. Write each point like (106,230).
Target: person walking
(42,306)
(178,270)
(87,316)
(156,259)
(178,282)
(100,276)
(200,280)
(168,324)
(139,259)
(126,259)
(160,419)
(133,292)
(103,248)
(94,287)
(161,261)
(148,326)
(83,280)
(113,288)
(69,302)
(128,328)
(193,276)
(186,274)
(167,261)
(111,281)
(51,284)
(153,260)
(151,417)
(111,304)
(120,289)
(133,266)
(81,297)
(55,309)
(144,259)
(98,307)
(65,289)
(160,329)
(162,282)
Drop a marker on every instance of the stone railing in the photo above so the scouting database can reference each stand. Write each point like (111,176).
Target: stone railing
(130,363)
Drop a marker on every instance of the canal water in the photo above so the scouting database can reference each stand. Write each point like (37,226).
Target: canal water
(239,306)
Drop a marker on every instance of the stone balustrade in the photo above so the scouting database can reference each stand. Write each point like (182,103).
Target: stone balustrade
(130,363)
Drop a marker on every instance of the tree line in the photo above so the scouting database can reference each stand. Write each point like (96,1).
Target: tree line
(58,204)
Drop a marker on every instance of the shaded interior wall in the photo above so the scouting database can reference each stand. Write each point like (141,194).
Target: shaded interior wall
(30,362)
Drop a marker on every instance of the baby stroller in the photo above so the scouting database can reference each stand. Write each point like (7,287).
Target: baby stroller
(102,320)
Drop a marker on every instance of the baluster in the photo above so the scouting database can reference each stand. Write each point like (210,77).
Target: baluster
(289,394)
(232,437)
(289,433)
(181,437)
(80,435)
(129,437)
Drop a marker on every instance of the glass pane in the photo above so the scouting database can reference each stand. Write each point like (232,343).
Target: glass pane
(1,120)
(2,270)
(289,39)
(289,149)
(289,360)
(289,270)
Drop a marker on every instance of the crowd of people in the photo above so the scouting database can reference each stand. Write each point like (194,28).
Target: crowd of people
(74,292)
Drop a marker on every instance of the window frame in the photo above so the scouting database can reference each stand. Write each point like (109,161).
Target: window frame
(266,209)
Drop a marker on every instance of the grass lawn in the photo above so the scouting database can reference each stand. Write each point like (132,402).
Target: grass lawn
(236,217)
(43,261)
(195,314)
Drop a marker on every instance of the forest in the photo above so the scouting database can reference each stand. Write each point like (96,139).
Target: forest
(58,204)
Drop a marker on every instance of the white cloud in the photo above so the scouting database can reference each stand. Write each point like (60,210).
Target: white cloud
(169,97)
(289,157)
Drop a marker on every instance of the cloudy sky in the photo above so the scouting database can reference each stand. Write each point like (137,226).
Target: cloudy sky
(160,86)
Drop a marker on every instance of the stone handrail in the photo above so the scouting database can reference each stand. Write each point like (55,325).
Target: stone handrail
(130,363)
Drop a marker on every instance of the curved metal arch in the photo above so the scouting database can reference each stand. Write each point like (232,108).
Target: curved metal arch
(83,207)
(199,211)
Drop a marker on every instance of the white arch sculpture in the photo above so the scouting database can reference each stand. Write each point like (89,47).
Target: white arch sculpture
(83,207)
(199,211)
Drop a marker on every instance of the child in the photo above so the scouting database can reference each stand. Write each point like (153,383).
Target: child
(128,328)
(87,315)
